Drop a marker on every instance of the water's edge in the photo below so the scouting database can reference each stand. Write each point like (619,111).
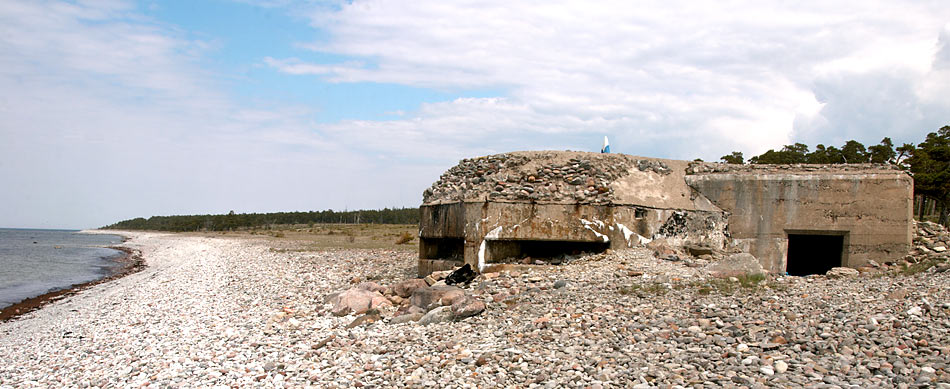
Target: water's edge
(131,260)
(112,262)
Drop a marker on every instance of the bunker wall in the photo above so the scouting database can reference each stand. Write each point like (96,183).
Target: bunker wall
(871,210)
(481,233)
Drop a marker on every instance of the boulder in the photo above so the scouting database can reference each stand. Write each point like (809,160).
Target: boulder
(467,306)
(380,301)
(735,265)
(841,272)
(407,318)
(435,295)
(371,316)
(357,301)
(438,315)
(371,286)
(405,288)
(660,247)
(697,250)
(332,298)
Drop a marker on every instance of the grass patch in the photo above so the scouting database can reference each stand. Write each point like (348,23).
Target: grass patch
(302,238)
(404,238)
(919,267)
(645,290)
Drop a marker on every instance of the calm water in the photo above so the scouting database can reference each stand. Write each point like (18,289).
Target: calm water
(33,262)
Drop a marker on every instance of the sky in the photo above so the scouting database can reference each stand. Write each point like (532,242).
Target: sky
(111,109)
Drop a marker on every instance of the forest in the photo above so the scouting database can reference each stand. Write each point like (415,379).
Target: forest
(236,221)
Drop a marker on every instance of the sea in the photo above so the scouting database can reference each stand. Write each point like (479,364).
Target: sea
(35,262)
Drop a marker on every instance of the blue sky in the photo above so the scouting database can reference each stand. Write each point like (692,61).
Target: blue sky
(242,34)
(113,109)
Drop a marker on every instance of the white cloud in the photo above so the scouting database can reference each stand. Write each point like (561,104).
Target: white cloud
(107,115)
(676,78)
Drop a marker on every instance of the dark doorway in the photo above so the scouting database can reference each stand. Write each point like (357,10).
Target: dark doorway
(813,253)
(441,248)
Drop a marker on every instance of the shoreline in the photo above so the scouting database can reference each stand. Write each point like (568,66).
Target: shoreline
(132,263)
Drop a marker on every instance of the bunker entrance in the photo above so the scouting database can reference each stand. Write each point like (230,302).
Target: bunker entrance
(442,248)
(548,251)
(814,253)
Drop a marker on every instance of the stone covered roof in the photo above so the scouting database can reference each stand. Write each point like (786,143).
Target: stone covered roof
(541,176)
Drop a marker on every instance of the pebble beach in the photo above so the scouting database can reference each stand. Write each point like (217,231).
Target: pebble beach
(230,312)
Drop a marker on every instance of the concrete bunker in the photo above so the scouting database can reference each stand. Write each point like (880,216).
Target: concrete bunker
(542,204)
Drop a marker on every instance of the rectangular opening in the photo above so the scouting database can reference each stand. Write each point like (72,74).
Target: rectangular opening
(814,252)
(441,248)
(548,251)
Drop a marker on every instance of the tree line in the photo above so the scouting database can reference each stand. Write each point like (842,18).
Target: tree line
(928,162)
(235,221)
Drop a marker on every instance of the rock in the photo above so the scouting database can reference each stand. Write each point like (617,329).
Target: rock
(405,288)
(915,311)
(898,294)
(323,343)
(331,298)
(437,315)
(430,280)
(355,301)
(467,306)
(371,286)
(407,318)
(742,264)
(660,247)
(462,275)
(841,272)
(371,316)
(767,370)
(781,367)
(435,295)
(560,284)
(697,250)
(939,249)
(380,301)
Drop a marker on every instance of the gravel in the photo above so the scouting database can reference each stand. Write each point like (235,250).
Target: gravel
(222,312)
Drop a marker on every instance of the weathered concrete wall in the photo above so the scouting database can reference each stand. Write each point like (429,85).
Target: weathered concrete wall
(872,209)
(479,224)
